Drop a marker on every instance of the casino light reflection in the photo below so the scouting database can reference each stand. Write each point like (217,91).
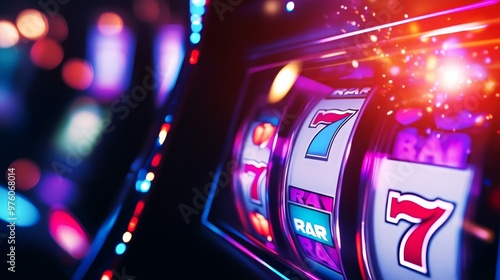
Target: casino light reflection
(169,52)
(110,50)
(25,214)
(284,81)
(68,233)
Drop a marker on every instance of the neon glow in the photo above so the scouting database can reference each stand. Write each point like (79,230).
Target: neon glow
(409,116)
(142,186)
(454,29)
(196,27)
(120,248)
(332,120)
(310,221)
(68,233)
(169,52)
(195,38)
(409,20)
(110,53)
(197,9)
(25,213)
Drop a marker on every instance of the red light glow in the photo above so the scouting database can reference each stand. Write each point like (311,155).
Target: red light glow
(138,208)
(262,134)
(68,233)
(27,173)
(132,224)
(58,28)
(78,74)
(156,160)
(46,54)
(260,224)
(107,275)
(110,24)
(193,59)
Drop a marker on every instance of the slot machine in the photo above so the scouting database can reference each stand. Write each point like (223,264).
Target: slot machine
(369,152)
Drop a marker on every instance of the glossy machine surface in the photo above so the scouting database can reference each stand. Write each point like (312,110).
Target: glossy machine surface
(365,143)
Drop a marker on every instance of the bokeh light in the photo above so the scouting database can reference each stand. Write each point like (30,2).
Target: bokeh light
(284,81)
(25,212)
(120,248)
(127,236)
(8,34)
(53,188)
(77,73)
(68,233)
(82,129)
(110,23)
(290,6)
(150,176)
(58,28)
(46,53)
(169,53)
(147,10)
(11,109)
(27,173)
(32,24)
(271,7)
(156,160)
(107,275)
(132,224)
(112,58)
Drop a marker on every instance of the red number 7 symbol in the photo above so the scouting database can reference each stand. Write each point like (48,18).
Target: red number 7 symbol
(426,216)
(258,171)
